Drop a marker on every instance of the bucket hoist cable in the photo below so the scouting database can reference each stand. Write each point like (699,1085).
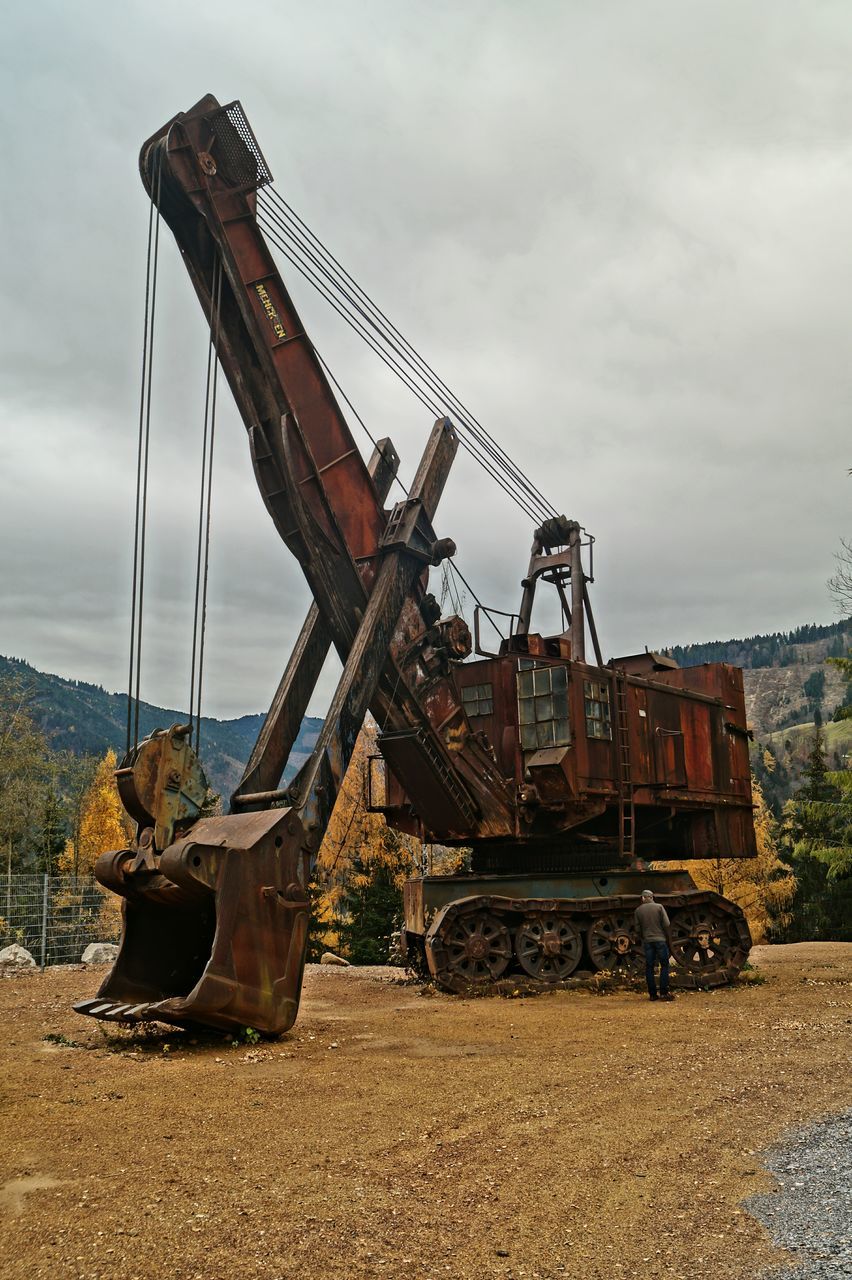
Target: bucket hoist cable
(144,435)
(199,626)
(141,507)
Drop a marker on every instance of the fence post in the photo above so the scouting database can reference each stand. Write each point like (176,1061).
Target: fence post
(44,922)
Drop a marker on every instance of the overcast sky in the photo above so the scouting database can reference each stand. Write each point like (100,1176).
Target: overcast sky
(620,232)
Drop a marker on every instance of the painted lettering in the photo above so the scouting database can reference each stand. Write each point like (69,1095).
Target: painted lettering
(273,316)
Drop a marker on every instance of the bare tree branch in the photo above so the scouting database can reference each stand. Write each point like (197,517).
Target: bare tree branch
(840,585)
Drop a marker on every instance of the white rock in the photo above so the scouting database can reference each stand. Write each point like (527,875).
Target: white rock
(99,953)
(16,955)
(328,957)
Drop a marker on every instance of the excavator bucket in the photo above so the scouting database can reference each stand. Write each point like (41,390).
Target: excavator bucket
(216,934)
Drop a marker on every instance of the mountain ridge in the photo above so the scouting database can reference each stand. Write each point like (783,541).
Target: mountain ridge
(785,676)
(85,718)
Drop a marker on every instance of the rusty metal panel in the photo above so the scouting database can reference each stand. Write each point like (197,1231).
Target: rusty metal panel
(426,782)
(218,936)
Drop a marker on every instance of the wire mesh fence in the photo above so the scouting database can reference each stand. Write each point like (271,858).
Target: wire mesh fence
(56,917)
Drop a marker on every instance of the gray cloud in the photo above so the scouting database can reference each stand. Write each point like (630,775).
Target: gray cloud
(618,231)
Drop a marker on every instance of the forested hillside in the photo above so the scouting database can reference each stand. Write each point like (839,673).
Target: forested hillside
(775,649)
(785,674)
(789,688)
(87,720)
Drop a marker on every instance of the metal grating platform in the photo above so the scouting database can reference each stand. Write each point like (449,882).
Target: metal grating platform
(238,156)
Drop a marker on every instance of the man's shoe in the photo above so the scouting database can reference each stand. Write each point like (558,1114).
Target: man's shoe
(667,995)
(653,997)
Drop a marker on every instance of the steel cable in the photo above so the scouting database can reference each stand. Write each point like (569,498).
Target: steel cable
(362,424)
(405,363)
(480,445)
(419,368)
(447,587)
(214,335)
(407,375)
(141,522)
(379,320)
(402,374)
(202,549)
(311,277)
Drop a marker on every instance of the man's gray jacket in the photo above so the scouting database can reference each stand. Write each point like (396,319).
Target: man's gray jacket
(652,922)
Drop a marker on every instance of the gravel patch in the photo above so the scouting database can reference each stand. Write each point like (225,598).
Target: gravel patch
(371,972)
(810,1214)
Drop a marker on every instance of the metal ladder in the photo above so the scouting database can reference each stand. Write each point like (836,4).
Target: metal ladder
(626,813)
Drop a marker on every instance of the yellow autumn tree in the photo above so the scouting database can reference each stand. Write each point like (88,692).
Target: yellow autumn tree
(103,826)
(357,846)
(764,886)
(103,823)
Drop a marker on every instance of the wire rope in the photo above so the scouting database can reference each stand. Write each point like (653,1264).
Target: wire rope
(307,239)
(200,558)
(536,516)
(141,521)
(408,372)
(383,328)
(426,389)
(459,573)
(214,335)
(356,414)
(448,591)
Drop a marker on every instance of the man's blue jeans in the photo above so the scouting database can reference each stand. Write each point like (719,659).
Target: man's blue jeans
(656,953)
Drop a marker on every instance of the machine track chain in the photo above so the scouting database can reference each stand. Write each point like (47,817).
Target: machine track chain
(475,944)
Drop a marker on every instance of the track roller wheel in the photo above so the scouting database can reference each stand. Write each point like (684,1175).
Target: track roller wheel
(707,942)
(612,944)
(548,947)
(478,949)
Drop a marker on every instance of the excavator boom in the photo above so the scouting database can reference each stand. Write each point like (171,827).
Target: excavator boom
(216,910)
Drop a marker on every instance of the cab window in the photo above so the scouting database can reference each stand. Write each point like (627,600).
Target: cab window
(542,705)
(598,719)
(477,699)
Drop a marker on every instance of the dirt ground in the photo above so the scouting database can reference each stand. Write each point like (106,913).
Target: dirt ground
(398,1134)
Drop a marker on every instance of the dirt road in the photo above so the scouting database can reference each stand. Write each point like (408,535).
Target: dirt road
(397,1134)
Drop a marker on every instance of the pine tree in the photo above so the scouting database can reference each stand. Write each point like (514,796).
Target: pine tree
(53,834)
(819,836)
(318,925)
(814,687)
(815,771)
(372,903)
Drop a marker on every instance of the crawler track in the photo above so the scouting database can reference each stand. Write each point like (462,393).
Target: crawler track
(476,943)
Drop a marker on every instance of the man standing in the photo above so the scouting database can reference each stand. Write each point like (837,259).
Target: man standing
(654,929)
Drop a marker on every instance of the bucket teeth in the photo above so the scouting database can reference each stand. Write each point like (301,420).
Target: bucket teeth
(110,1011)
